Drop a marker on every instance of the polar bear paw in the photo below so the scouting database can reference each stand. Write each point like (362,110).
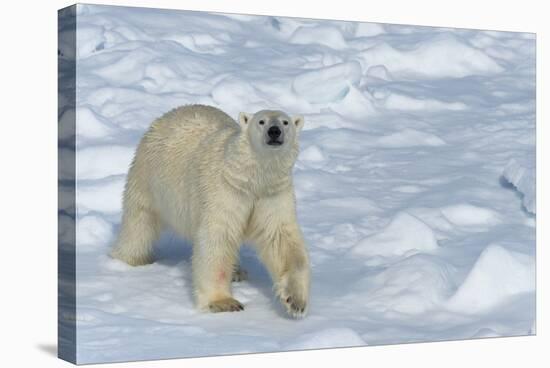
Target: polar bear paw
(293,297)
(295,307)
(132,259)
(225,305)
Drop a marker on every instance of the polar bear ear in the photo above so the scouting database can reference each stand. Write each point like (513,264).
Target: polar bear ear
(244,119)
(298,121)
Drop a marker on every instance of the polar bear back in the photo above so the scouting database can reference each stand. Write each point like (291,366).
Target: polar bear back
(181,151)
(194,121)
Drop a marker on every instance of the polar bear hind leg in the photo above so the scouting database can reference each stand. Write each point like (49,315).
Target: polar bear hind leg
(140,228)
(239,274)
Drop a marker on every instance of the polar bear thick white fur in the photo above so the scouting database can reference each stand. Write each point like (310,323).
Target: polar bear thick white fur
(219,183)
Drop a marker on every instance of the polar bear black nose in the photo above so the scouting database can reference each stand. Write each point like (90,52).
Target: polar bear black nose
(274,132)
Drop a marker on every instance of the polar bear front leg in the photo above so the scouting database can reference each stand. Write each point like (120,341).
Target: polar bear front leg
(277,236)
(215,254)
(291,283)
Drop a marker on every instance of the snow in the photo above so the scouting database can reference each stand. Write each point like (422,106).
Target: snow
(379,71)
(412,286)
(327,338)
(97,162)
(521,174)
(404,235)
(369,29)
(400,102)
(104,195)
(441,55)
(327,84)
(93,231)
(417,152)
(497,275)
(329,36)
(312,154)
(469,215)
(90,38)
(354,105)
(91,125)
(409,138)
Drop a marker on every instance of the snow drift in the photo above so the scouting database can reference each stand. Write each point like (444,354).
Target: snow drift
(407,131)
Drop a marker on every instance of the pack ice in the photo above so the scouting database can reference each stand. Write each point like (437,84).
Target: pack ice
(413,234)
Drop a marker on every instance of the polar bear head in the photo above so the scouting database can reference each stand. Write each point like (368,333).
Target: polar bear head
(272,132)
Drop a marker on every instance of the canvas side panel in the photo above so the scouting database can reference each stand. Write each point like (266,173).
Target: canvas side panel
(66,64)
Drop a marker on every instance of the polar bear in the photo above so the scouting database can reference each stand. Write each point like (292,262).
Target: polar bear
(219,183)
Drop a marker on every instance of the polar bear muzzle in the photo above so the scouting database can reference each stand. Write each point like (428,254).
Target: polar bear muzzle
(275,136)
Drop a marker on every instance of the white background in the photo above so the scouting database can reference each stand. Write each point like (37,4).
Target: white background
(28,206)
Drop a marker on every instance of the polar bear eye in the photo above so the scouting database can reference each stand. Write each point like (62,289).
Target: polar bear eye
(285,122)
(262,122)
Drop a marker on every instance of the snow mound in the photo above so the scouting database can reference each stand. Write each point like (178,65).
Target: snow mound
(405,234)
(323,35)
(443,56)
(485,332)
(379,72)
(93,232)
(342,236)
(411,286)
(127,70)
(104,196)
(198,42)
(354,105)
(522,175)
(327,338)
(469,215)
(91,125)
(401,102)
(233,91)
(409,189)
(410,138)
(90,38)
(327,84)
(497,275)
(369,29)
(101,161)
(312,154)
